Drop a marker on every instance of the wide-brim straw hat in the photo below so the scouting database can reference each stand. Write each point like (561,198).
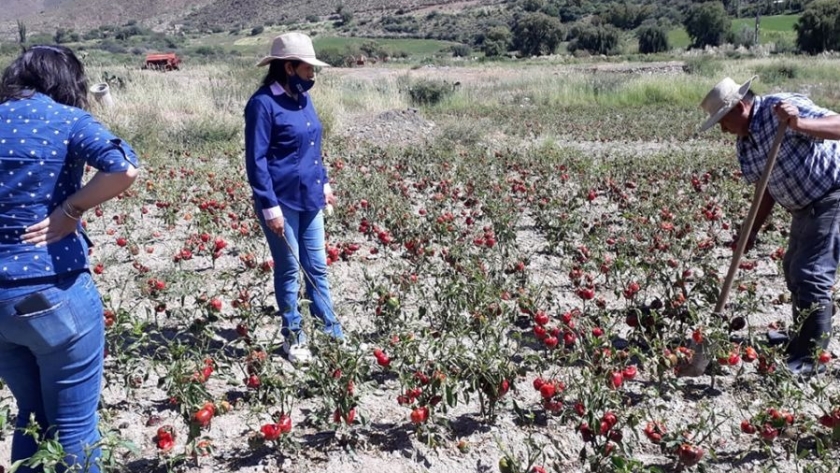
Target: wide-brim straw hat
(292,46)
(722,99)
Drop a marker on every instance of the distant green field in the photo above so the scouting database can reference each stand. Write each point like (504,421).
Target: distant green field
(768,23)
(778,25)
(678,38)
(418,47)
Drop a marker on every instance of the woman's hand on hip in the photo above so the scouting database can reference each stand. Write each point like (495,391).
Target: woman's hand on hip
(277,225)
(50,230)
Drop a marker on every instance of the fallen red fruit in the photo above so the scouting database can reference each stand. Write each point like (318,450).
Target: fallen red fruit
(202,417)
(548,390)
(419,415)
(616,379)
(285,424)
(747,427)
(270,431)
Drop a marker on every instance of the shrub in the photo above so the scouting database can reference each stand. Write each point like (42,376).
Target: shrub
(40,38)
(9,49)
(346,17)
(493,48)
(653,39)
(333,56)
(112,47)
(707,24)
(743,37)
(92,34)
(776,73)
(313,18)
(128,31)
(702,66)
(60,36)
(603,39)
(627,16)
(429,92)
(207,51)
(373,49)
(536,34)
(532,5)
(818,29)
(461,50)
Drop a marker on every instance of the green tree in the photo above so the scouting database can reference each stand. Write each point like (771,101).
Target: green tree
(536,34)
(818,29)
(627,16)
(60,36)
(497,41)
(346,16)
(532,5)
(653,39)
(707,24)
(602,39)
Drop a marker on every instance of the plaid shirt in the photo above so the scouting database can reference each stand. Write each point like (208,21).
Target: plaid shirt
(807,167)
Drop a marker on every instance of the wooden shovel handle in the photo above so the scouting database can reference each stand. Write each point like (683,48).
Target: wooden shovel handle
(747,226)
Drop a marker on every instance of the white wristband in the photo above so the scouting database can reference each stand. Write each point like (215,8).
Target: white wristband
(272,213)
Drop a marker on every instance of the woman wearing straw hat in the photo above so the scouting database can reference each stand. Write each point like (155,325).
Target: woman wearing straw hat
(806,182)
(290,185)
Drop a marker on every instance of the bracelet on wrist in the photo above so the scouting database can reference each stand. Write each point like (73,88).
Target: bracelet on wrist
(71,211)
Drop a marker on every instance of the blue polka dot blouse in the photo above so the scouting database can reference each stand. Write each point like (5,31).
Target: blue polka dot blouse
(44,148)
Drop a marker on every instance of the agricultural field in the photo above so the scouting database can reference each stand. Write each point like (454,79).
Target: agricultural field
(774,28)
(519,260)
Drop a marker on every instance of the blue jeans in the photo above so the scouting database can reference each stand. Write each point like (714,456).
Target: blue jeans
(304,232)
(52,362)
(810,267)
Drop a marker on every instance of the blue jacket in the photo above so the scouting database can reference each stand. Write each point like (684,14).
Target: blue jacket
(283,152)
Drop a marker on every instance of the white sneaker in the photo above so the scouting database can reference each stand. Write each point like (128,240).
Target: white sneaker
(297,353)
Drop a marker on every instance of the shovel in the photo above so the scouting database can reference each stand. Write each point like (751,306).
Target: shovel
(702,352)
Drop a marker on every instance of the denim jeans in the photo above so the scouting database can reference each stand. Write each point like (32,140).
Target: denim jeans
(52,362)
(304,232)
(810,268)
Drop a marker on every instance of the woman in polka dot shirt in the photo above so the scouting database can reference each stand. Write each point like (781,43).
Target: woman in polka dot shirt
(51,323)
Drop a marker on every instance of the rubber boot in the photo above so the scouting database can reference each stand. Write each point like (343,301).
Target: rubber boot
(814,333)
(795,348)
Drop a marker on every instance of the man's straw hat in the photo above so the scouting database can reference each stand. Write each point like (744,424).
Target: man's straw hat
(293,46)
(723,98)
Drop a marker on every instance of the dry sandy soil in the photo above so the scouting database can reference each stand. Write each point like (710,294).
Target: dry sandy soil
(387,444)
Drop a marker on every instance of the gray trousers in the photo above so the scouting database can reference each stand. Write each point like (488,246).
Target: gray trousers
(810,268)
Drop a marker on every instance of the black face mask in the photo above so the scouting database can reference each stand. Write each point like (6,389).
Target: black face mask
(299,84)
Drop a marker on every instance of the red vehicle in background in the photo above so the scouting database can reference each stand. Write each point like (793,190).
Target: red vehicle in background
(162,61)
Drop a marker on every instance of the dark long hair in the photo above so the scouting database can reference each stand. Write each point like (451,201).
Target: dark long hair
(277,71)
(51,70)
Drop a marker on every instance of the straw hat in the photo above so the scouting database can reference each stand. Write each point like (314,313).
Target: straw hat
(723,98)
(295,46)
